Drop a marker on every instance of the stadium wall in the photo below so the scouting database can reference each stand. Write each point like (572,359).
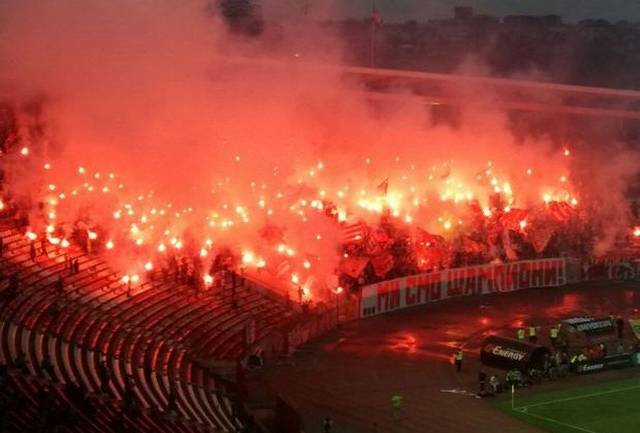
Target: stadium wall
(621,269)
(284,340)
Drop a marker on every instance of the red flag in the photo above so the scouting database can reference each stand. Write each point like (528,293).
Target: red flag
(494,233)
(283,269)
(372,247)
(427,239)
(354,233)
(383,187)
(376,241)
(540,236)
(353,266)
(512,219)
(472,247)
(381,236)
(506,244)
(382,264)
(430,257)
(272,233)
(560,211)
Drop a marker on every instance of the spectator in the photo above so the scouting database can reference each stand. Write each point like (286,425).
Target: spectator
(104,375)
(128,398)
(620,326)
(4,374)
(577,361)
(328,424)
(535,376)
(482,379)
(47,368)
(603,350)
(20,363)
(547,365)
(12,290)
(396,402)
(14,282)
(553,335)
(495,385)
(118,423)
(60,286)
(514,378)
(172,404)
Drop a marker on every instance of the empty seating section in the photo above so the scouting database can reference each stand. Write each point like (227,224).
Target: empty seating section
(151,336)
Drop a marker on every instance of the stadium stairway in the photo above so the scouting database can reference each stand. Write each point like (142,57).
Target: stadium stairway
(152,336)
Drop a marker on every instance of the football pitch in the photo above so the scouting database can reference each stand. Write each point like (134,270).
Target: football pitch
(610,407)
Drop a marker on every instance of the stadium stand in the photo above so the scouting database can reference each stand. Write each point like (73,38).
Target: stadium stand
(150,339)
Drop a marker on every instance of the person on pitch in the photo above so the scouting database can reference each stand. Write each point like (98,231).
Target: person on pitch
(457,359)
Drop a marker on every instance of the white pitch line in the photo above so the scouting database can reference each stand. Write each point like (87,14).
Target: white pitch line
(544,418)
(579,397)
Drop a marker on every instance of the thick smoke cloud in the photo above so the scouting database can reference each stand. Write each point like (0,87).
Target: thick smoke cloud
(145,90)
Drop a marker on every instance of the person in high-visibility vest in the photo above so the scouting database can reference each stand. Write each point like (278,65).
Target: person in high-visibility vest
(573,363)
(577,361)
(396,401)
(520,334)
(457,358)
(533,334)
(553,335)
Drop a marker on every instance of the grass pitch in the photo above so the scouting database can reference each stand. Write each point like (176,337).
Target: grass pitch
(611,407)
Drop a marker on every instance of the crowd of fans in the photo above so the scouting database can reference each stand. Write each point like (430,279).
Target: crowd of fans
(391,250)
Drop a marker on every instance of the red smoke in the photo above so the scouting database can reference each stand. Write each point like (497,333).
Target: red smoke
(155,141)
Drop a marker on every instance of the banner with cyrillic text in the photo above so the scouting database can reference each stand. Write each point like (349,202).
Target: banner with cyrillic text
(413,290)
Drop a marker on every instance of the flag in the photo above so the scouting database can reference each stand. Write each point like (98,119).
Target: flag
(383,187)
(472,247)
(494,233)
(382,264)
(283,269)
(560,210)
(381,237)
(430,257)
(353,266)
(272,233)
(540,236)
(506,244)
(427,239)
(376,241)
(512,219)
(372,246)
(354,233)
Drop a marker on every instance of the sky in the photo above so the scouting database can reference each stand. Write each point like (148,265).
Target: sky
(571,10)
